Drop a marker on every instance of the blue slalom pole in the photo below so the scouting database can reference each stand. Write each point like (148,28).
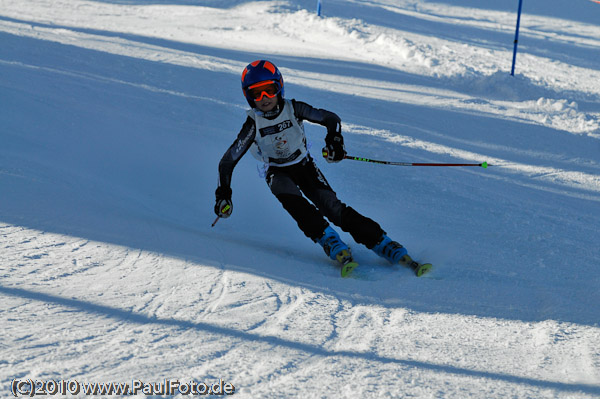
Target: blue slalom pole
(514,60)
(319,8)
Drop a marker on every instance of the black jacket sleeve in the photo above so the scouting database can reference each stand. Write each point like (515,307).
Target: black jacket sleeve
(331,121)
(234,153)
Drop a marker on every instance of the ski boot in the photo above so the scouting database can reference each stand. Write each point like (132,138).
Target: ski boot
(390,250)
(396,253)
(336,249)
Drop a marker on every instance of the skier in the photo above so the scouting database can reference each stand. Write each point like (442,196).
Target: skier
(274,133)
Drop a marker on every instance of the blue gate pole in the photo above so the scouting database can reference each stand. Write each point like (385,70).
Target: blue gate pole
(319,8)
(514,60)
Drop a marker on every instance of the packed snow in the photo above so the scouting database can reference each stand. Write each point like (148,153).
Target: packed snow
(114,115)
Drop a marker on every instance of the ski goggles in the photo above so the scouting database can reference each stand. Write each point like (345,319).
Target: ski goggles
(259,90)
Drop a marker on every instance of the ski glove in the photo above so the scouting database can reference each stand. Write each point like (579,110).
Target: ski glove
(223,204)
(334,150)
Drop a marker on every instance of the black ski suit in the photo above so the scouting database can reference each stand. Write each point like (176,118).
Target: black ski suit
(292,173)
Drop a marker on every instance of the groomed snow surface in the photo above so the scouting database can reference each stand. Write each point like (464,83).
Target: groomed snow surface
(115,114)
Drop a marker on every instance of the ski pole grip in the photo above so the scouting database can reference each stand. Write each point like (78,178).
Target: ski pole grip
(325,152)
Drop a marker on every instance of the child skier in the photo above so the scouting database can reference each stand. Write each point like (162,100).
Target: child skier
(274,132)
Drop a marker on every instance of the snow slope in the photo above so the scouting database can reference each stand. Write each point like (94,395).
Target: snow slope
(113,118)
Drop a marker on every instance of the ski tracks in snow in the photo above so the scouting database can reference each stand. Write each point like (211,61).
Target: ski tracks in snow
(282,337)
(42,255)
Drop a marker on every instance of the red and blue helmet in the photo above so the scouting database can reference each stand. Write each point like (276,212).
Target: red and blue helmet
(261,71)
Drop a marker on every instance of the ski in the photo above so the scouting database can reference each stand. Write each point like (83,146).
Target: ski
(349,264)
(348,267)
(347,261)
(419,268)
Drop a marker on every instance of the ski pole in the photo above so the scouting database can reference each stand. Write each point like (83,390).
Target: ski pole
(224,210)
(362,159)
(483,164)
